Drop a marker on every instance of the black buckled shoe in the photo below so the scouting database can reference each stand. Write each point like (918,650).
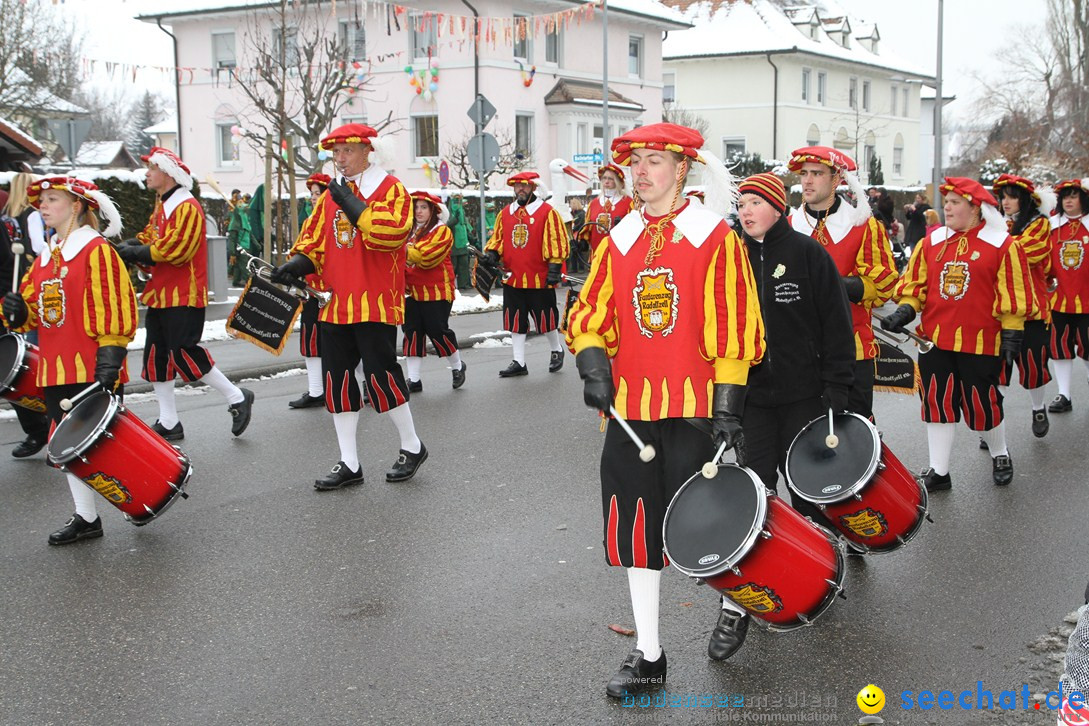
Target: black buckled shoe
(75,529)
(406,465)
(555,361)
(935,482)
(1040,424)
(307,401)
(1002,471)
(1061,404)
(728,635)
(341,476)
(982,444)
(175,434)
(415,386)
(459,376)
(29,446)
(514,369)
(241,412)
(637,674)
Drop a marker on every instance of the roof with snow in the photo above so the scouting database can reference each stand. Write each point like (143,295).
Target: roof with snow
(13,137)
(747,27)
(169,126)
(584,92)
(38,98)
(105,154)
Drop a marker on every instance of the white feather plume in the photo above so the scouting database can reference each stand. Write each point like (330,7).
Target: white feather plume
(172,169)
(993,219)
(108,211)
(444,214)
(1048,201)
(860,212)
(383,151)
(721,195)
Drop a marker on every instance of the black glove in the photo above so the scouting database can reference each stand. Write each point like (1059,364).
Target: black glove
(555,273)
(597,378)
(1011,344)
(855,288)
(491,259)
(895,321)
(108,362)
(293,271)
(727,405)
(834,397)
(346,199)
(15,309)
(138,254)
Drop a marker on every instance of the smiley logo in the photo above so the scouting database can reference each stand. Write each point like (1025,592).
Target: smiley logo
(871,699)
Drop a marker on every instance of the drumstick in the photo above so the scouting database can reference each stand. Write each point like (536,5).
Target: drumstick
(646,451)
(66,404)
(17,250)
(831,440)
(710,469)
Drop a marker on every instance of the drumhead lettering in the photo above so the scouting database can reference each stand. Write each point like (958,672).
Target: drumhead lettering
(708,559)
(831,488)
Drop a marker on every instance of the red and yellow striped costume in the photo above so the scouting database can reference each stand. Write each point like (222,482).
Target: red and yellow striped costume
(969,286)
(1035,242)
(430,273)
(1070,266)
(528,239)
(603,211)
(675,327)
(176,234)
(83,302)
(363,266)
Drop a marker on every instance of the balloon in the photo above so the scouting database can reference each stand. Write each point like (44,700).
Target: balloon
(235,130)
(323,155)
(427,95)
(236,140)
(408,69)
(433,87)
(418,90)
(434,72)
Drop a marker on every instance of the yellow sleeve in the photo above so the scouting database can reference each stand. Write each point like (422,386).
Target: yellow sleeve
(592,323)
(387,223)
(1014,300)
(911,290)
(495,242)
(433,249)
(1036,243)
(30,297)
(733,329)
(876,265)
(181,238)
(557,244)
(109,305)
(311,241)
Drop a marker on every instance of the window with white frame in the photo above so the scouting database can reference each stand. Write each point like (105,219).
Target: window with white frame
(813,136)
(289,50)
(353,119)
(226,149)
(523,39)
(865,95)
(732,146)
(894,98)
(842,141)
(635,56)
(353,39)
(554,46)
(906,113)
(805,85)
(822,89)
(869,151)
(424,35)
(898,156)
(425,135)
(852,93)
(523,135)
(223,54)
(581,140)
(669,87)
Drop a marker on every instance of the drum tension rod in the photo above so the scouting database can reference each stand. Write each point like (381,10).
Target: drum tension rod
(765,534)
(149,510)
(926,514)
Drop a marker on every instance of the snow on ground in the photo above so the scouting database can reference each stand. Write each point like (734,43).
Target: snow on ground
(475,304)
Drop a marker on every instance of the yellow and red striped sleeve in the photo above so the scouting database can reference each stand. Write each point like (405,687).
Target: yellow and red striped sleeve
(151,230)
(733,328)
(876,265)
(556,246)
(1014,300)
(387,222)
(433,249)
(30,297)
(311,240)
(592,323)
(911,290)
(1036,243)
(181,238)
(109,303)
(495,242)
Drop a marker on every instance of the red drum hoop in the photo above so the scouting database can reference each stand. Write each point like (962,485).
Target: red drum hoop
(19,373)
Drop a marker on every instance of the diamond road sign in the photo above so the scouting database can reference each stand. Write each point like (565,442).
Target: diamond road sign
(482,111)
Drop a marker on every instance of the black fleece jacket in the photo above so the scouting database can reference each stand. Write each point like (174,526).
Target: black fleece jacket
(807,322)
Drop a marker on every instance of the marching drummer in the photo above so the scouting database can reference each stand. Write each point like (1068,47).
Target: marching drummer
(686,353)
(309,337)
(78,295)
(430,282)
(971,282)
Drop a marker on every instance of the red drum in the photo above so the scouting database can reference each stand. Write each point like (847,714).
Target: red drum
(120,457)
(733,534)
(19,373)
(869,496)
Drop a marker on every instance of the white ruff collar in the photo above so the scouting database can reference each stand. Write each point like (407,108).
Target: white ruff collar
(75,243)
(837,225)
(179,196)
(531,208)
(695,222)
(991,234)
(1062,219)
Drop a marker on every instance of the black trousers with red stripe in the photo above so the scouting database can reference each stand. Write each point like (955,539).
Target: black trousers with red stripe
(309,337)
(342,349)
(172,348)
(1069,336)
(961,383)
(635,496)
(1032,360)
(522,304)
(430,319)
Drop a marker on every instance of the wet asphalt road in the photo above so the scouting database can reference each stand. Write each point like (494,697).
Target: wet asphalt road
(477,593)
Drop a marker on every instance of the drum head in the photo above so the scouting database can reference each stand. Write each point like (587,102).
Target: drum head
(822,475)
(11,354)
(81,427)
(712,523)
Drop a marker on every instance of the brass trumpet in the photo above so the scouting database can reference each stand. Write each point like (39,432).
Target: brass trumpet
(923,343)
(263,270)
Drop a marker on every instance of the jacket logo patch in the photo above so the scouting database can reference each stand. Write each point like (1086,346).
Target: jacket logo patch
(604,221)
(865,523)
(954,280)
(109,487)
(51,304)
(1071,254)
(520,235)
(788,292)
(756,598)
(343,230)
(655,301)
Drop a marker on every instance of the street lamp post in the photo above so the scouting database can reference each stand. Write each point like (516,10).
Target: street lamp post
(937,174)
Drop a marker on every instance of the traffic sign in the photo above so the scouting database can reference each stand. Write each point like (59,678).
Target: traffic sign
(482,111)
(586,158)
(444,173)
(483,151)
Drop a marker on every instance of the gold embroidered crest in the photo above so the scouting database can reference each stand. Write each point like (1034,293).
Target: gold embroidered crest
(865,523)
(605,222)
(343,230)
(109,487)
(655,301)
(954,280)
(756,598)
(31,402)
(51,303)
(520,235)
(1071,254)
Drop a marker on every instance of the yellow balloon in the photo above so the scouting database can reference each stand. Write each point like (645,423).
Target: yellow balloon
(871,699)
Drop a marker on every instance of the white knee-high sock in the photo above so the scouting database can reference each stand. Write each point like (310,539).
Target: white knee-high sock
(346,424)
(218,381)
(315,386)
(518,341)
(84,497)
(553,337)
(168,407)
(413,364)
(996,440)
(645,585)
(1063,370)
(360,375)
(939,438)
(1036,395)
(728,604)
(454,359)
(406,429)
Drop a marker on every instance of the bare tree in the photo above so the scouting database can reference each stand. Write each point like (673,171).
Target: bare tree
(40,51)
(674,114)
(462,173)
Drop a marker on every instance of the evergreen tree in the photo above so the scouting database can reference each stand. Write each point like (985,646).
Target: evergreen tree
(147,111)
(876,175)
